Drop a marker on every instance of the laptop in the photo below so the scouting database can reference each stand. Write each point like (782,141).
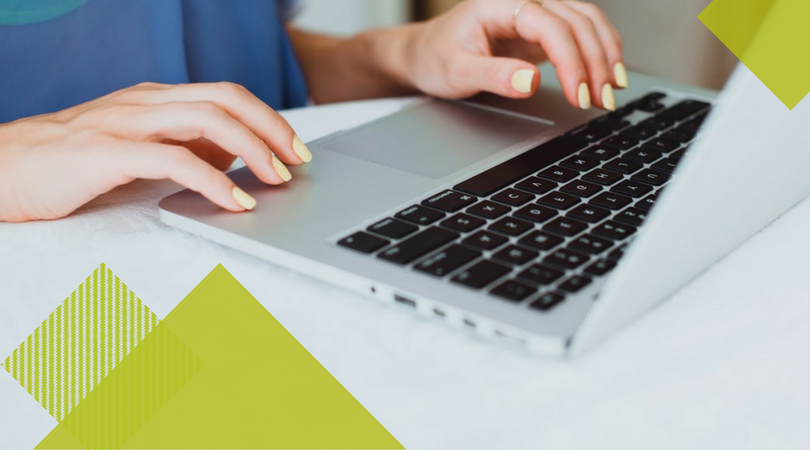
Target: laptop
(529,222)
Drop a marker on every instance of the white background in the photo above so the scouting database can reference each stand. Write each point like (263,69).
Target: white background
(722,365)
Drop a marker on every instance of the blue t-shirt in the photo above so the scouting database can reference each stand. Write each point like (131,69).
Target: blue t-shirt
(58,53)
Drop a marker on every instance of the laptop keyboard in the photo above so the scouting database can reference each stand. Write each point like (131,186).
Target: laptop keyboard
(544,224)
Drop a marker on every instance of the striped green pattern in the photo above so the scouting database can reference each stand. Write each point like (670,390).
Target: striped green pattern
(80,343)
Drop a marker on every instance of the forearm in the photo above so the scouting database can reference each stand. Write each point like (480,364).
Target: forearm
(369,65)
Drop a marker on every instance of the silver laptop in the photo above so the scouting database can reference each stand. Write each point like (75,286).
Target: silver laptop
(528,221)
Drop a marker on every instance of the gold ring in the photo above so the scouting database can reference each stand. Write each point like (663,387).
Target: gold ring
(519,8)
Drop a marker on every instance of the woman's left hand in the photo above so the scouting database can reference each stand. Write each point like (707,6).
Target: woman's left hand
(483,46)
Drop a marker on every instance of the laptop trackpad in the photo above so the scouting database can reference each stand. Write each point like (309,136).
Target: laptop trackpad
(436,138)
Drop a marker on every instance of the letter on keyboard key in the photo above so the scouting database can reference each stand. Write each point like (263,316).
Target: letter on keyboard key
(450,201)
(418,245)
(392,228)
(481,274)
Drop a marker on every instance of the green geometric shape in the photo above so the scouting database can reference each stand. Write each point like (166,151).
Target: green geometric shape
(771,37)
(67,356)
(130,395)
(258,387)
(22,12)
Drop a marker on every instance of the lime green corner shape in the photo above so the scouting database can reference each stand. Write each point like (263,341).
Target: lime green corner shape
(79,343)
(258,388)
(771,37)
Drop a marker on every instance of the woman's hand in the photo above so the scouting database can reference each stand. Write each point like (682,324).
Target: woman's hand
(50,165)
(481,45)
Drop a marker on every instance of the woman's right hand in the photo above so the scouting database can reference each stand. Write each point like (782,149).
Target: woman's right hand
(52,164)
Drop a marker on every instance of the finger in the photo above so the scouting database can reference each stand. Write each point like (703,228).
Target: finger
(611,40)
(593,54)
(507,77)
(243,106)
(189,121)
(160,161)
(537,25)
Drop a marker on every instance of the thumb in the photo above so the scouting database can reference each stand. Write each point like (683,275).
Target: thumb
(507,77)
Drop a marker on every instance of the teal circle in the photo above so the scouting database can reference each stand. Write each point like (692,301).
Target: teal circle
(24,12)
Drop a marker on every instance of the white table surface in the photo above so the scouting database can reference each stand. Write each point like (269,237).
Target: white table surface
(724,364)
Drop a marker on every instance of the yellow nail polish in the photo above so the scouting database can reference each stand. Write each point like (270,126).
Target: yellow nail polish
(301,149)
(281,169)
(243,198)
(608,102)
(522,80)
(584,96)
(620,73)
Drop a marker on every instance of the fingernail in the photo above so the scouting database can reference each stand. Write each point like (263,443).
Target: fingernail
(522,80)
(620,73)
(584,96)
(608,102)
(301,149)
(243,198)
(281,169)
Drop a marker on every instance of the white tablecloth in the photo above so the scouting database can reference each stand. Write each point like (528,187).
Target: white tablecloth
(722,365)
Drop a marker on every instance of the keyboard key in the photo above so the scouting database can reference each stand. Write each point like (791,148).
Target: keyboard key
(558,173)
(536,185)
(511,227)
(643,155)
(485,240)
(481,274)
(540,240)
(417,245)
(463,223)
(614,230)
(666,165)
(363,242)
(640,132)
(647,202)
(450,201)
(662,145)
(591,132)
(601,153)
(632,188)
(566,259)
(488,209)
(677,155)
(657,123)
(581,163)
(632,216)
(540,274)
(393,228)
(448,260)
(611,121)
(648,105)
(683,110)
(504,174)
(547,301)
(679,135)
(622,165)
(601,267)
(612,201)
(652,177)
(575,283)
(513,197)
(514,291)
(565,227)
(590,244)
(581,188)
(536,213)
(559,200)
(617,254)
(420,215)
(588,213)
(603,177)
(515,255)
(620,142)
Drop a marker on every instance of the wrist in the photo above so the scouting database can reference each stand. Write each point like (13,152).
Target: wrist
(392,51)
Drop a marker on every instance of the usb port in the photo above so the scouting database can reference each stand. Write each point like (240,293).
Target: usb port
(404,300)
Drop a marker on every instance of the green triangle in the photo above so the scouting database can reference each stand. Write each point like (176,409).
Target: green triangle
(257,386)
(771,37)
